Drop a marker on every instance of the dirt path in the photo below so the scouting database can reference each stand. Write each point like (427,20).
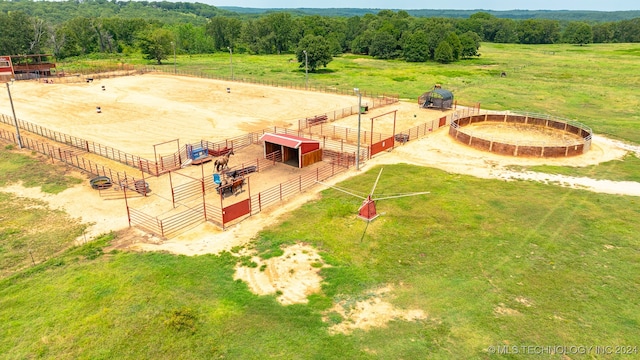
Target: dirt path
(442,152)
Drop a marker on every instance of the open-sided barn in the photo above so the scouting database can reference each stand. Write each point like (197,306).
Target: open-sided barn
(295,150)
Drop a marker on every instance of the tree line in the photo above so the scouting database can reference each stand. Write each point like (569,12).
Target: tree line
(158,29)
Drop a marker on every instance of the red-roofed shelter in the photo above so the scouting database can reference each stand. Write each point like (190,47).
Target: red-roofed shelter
(295,150)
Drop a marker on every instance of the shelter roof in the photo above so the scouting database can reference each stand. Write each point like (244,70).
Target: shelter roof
(446,94)
(287,140)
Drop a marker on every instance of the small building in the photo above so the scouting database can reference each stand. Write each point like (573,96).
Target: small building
(436,98)
(24,67)
(290,149)
(6,68)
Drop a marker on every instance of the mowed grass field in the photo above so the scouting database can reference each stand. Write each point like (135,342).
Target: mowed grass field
(491,263)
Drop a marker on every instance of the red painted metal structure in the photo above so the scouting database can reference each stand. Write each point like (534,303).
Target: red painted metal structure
(368,209)
(290,146)
(386,143)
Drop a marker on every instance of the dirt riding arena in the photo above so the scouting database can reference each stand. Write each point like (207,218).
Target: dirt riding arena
(142,110)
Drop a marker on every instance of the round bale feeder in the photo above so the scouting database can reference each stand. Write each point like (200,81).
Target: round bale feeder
(523,135)
(436,99)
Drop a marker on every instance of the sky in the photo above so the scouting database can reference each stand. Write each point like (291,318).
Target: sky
(599,5)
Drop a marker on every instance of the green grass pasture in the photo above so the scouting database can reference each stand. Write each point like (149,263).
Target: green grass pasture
(490,262)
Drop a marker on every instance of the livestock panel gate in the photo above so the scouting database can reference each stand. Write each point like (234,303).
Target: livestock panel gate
(386,143)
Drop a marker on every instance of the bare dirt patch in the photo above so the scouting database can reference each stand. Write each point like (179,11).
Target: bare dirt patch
(86,206)
(293,276)
(372,312)
(503,310)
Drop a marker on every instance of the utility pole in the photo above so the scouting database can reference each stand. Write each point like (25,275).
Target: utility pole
(15,119)
(306,70)
(357,91)
(173,45)
(231,60)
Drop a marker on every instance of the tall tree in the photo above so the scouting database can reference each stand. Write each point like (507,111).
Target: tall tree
(538,31)
(17,33)
(470,42)
(155,44)
(579,33)
(81,37)
(318,52)
(604,32)
(456,46)
(444,53)
(507,31)
(415,48)
(362,43)
(383,46)
(281,26)
(39,36)
(224,31)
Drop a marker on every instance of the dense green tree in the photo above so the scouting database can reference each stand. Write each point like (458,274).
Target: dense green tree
(362,43)
(603,33)
(415,48)
(456,46)
(353,27)
(444,53)
(80,37)
(191,39)
(579,33)
(507,32)
(224,31)
(436,29)
(257,37)
(539,31)
(155,44)
(17,35)
(383,46)
(470,42)
(281,26)
(628,31)
(332,29)
(318,52)
(124,31)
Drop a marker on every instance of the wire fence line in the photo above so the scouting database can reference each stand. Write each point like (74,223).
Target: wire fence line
(72,157)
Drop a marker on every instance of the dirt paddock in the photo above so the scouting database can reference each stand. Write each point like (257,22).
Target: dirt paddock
(142,110)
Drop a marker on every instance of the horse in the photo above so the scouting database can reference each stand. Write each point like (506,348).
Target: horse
(223,162)
(224,186)
(237,184)
(230,185)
